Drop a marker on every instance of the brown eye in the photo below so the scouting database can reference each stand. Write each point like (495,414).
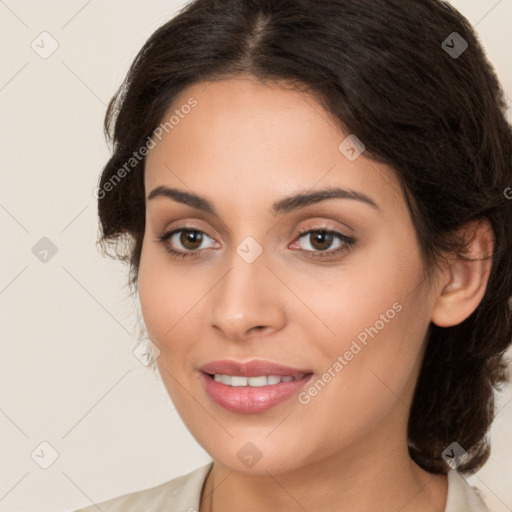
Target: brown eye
(318,243)
(184,242)
(321,240)
(189,239)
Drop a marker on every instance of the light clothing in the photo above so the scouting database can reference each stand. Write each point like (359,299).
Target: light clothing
(182,494)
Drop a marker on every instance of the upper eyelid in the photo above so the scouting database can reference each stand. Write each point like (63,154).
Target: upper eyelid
(320,221)
(317,226)
(323,212)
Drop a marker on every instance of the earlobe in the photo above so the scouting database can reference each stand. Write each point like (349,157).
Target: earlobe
(465,280)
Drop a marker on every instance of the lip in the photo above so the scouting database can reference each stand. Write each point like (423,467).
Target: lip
(254,368)
(250,400)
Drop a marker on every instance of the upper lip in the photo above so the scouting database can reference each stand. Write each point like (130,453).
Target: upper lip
(254,368)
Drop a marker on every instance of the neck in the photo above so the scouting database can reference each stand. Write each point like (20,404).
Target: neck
(343,482)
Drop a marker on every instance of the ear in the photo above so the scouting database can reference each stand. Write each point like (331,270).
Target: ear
(464,281)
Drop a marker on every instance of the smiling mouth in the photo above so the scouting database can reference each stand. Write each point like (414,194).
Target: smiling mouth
(255,394)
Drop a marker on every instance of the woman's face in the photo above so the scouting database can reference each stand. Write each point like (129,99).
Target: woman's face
(352,309)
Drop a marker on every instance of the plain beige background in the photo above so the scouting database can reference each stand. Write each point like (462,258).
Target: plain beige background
(68,374)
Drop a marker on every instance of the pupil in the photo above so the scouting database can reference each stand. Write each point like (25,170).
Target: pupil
(325,237)
(190,237)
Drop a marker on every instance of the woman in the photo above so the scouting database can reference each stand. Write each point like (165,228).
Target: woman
(312,199)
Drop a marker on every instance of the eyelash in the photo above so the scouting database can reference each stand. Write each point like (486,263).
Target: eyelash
(348,242)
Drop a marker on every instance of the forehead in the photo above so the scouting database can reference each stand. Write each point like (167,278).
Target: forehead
(241,137)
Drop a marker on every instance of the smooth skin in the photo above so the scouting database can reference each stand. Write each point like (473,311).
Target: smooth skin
(243,147)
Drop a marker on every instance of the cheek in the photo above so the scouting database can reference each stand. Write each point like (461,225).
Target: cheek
(374,357)
(159,306)
(170,305)
(376,314)
(349,303)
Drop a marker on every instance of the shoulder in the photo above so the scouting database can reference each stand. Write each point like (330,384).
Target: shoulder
(179,494)
(462,497)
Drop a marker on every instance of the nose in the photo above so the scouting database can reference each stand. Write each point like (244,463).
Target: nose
(248,300)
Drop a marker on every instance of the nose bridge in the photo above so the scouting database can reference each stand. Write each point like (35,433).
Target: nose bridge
(246,298)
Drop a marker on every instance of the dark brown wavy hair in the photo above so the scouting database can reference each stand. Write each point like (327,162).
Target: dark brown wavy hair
(383,70)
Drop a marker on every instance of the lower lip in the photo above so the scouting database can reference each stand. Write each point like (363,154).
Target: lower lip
(247,399)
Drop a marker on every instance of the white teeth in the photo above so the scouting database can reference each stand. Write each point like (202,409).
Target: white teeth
(263,380)
(273,379)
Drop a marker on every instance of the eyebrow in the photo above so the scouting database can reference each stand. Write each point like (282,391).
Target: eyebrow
(281,207)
